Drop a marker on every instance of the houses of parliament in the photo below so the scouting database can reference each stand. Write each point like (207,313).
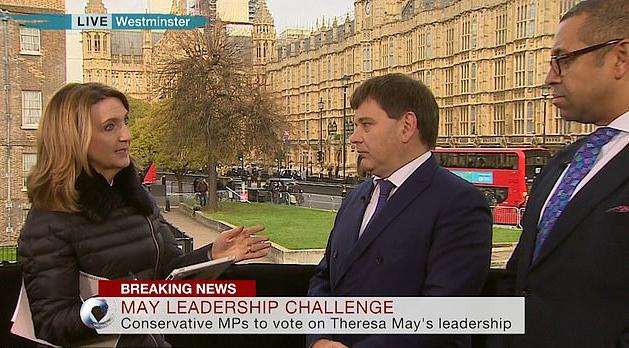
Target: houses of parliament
(484,60)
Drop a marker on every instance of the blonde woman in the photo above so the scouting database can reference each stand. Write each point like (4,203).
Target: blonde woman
(91,214)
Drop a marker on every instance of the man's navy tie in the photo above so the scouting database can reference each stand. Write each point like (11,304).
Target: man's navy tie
(581,164)
(385,189)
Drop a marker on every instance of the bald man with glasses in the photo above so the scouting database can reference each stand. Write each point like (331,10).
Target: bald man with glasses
(572,261)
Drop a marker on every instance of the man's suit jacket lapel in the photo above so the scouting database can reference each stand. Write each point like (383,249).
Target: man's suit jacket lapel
(346,231)
(405,195)
(353,218)
(609,178)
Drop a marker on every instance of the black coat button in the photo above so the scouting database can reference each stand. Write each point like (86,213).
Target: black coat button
(379,260)
(526,292)
(335,254)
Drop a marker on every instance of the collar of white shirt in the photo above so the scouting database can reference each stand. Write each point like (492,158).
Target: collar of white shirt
(621,122)
(399,176)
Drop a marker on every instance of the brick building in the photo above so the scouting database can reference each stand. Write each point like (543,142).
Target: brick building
(33,68)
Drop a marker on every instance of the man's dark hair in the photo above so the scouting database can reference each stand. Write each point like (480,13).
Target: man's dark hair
(606,20)
(397,94)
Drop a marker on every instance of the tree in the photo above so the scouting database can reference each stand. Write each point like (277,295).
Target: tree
(213,107)
(143,136)
(152,142)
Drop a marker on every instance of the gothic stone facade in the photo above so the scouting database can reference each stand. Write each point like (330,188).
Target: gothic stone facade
(485,61)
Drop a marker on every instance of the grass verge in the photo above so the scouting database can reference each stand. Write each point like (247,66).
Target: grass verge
(302,228)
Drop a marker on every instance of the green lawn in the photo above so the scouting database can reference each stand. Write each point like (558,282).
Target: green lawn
(7,253)
(289,226)
(302,228)
(506,235)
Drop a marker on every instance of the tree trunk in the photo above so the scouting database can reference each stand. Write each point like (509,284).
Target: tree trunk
(179,177)
(212,196)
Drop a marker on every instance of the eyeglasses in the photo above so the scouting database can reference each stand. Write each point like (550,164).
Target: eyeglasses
(555,61)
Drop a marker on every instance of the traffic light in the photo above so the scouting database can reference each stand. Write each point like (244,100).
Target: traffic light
(320,156)
(240,158)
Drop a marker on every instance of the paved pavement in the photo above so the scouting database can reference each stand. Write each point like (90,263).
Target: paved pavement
(327,202)
(500,255)
(200,233)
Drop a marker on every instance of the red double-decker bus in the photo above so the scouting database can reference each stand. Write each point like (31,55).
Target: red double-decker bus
(504,175)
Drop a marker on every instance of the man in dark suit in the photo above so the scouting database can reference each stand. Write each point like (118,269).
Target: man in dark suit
(414,229)
(572,261)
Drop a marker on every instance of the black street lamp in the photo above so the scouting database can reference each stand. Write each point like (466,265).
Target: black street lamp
(345,81)
(321,136)
(545,94)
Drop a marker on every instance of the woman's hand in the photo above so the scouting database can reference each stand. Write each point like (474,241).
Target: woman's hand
(241,243)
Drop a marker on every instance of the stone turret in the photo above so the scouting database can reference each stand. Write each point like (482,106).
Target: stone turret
(263,38)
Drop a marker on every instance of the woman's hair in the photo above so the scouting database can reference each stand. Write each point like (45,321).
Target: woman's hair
(64,135)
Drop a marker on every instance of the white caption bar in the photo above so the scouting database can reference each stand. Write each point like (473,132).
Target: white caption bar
(309,315)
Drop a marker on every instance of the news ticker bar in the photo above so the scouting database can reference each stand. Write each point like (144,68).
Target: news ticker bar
(112,21)
(305,315)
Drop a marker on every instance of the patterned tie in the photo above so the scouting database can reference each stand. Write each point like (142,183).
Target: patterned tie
(581,164)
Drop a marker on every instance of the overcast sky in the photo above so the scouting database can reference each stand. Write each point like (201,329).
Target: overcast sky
(287,14)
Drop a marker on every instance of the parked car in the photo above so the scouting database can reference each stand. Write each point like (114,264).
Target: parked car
(290,174)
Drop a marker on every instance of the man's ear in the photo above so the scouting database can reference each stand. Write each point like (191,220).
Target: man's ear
(409,126)
(621,63)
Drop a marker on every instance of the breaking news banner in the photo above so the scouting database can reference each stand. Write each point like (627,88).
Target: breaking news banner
(111,21)
(230,307)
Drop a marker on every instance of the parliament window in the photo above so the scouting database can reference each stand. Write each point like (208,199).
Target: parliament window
(474,35)
(530,120)
(409,49)
(428,45)
(531,69)
(367,58)
(518,118)
(473,130)
(392,52)
(449,81)
(520,69)
(450,40)
(499,74)
(472,77)
(384,54)
(525,19)
(448,122)
(501,26)
(465,77)
(464,121)
(466,28)
(421,46)
(499,119)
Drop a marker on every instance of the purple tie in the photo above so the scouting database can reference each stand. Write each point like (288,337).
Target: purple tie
(385,189)
(581,164)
